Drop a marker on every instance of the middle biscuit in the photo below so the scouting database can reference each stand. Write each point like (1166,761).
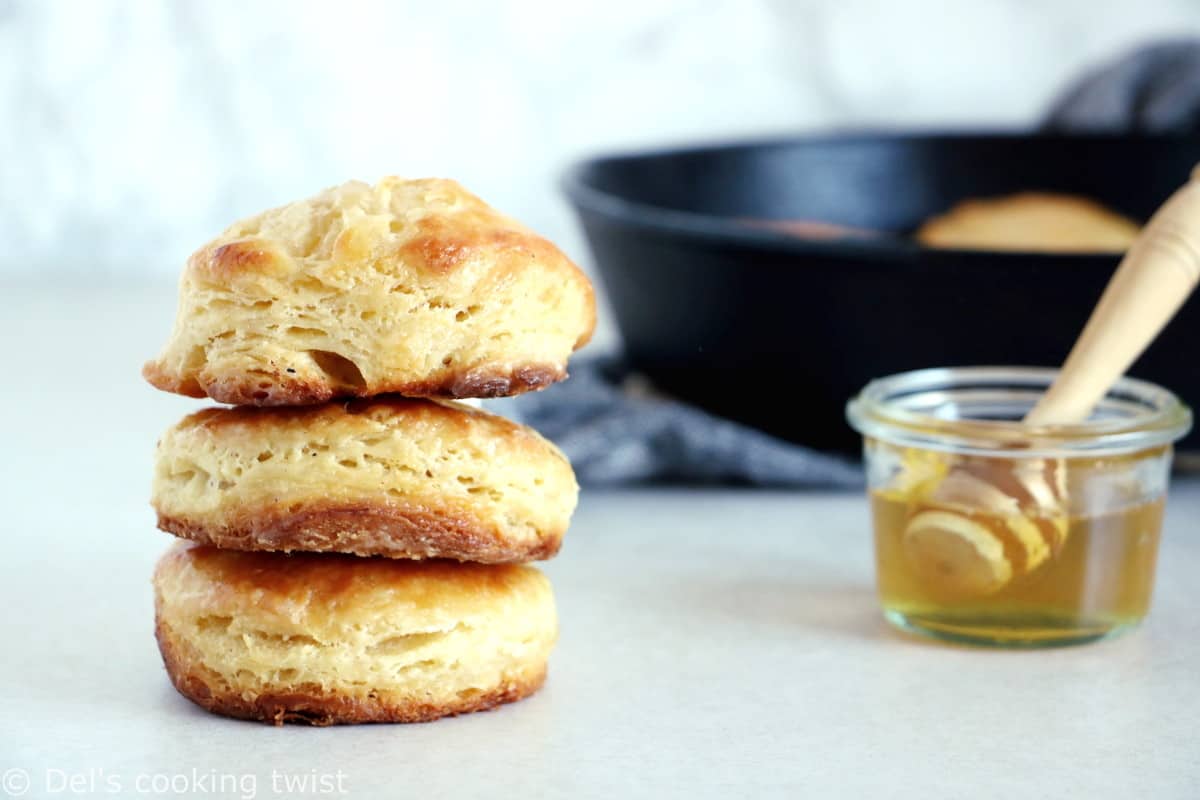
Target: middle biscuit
(388,476)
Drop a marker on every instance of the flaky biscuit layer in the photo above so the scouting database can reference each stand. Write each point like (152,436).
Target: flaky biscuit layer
(416,287)
(388,476)
(326,639)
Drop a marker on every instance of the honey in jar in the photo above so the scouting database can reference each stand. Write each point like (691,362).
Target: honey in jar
(1097,581)
(989,533)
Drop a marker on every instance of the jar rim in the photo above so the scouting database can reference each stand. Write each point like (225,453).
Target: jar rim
(1150,416)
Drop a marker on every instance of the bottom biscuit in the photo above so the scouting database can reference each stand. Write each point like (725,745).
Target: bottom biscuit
(316,705)
(327,639)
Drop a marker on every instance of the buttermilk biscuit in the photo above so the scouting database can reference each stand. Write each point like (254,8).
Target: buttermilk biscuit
(326,639)
(1031,222)
(387,476)
(409,286)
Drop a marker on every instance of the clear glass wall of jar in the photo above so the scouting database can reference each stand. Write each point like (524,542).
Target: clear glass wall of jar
(988,531)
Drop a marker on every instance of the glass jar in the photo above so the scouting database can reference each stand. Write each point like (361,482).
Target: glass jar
(988,531)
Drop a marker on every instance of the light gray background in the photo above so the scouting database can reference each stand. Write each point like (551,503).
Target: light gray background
(132,131)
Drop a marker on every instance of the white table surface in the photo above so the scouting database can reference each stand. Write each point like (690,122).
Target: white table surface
(714,643)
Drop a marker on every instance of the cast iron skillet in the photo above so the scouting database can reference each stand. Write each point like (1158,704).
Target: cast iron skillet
(779,332)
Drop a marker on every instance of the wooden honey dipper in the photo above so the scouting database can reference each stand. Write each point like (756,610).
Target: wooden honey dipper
(957,531)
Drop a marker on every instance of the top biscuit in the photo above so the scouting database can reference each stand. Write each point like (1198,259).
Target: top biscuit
(410,286)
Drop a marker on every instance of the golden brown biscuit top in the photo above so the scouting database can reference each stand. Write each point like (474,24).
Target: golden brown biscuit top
(373,414)
(318,586)
(385,408)
(429,227)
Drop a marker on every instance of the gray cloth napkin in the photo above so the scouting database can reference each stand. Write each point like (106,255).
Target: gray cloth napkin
(1154,89)
(616,431)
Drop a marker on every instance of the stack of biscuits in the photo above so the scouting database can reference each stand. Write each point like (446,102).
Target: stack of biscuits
(357,539)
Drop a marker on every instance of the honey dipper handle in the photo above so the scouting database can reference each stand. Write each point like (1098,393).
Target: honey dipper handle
(1155,277)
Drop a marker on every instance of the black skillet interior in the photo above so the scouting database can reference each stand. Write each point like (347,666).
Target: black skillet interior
(779,332)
